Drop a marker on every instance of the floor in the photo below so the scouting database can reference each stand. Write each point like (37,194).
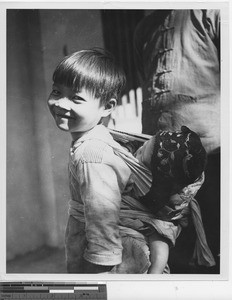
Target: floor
(52,260)
(44,260)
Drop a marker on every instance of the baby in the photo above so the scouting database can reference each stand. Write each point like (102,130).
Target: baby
(176,160)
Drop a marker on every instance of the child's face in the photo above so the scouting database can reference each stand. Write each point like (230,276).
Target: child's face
(75,112)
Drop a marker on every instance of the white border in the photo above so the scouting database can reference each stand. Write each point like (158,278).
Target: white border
(137,286)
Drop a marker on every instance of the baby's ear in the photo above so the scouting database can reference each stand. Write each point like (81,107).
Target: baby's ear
(109,107)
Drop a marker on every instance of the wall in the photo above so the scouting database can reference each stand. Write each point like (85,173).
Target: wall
(24,229)
(37,152)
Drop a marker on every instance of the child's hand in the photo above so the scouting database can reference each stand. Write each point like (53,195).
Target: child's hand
(90,268)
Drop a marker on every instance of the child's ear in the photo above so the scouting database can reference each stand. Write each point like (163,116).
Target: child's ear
(109,107)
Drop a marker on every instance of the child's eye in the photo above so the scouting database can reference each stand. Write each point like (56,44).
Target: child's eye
(77,98)
(55,93)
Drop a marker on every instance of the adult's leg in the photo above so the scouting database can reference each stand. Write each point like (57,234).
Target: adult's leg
(209,200)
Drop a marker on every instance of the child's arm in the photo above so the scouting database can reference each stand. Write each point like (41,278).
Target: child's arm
(101,186)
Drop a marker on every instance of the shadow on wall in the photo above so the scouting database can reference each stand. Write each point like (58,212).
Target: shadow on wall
(118,31)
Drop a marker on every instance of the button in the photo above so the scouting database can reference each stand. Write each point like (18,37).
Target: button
(160,91)
(157,91)
(165,50)
(163,72)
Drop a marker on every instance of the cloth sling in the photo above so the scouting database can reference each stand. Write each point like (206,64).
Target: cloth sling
(143,179)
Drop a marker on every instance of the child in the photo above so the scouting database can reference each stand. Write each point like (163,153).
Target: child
(176,159)
(104,178)
(86,88)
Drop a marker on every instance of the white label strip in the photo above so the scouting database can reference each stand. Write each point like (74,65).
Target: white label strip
(61,291)
(91,288)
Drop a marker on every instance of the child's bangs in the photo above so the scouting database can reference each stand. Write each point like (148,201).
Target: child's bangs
(75,77)
(67,75)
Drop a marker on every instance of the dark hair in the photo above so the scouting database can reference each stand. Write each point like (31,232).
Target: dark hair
(93,69)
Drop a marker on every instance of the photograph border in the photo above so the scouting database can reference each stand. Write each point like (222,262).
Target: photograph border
(180,285)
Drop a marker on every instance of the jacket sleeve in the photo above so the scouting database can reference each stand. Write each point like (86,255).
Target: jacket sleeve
(101,186)
(213,21)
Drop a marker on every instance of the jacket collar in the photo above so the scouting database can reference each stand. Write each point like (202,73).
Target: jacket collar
(99,132)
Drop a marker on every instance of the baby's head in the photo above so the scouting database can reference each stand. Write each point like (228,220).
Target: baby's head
(178,155)
(95,70)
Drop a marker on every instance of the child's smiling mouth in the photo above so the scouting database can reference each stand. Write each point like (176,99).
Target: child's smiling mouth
(63,116)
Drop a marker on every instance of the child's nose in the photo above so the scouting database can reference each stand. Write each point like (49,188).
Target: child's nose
(63,103)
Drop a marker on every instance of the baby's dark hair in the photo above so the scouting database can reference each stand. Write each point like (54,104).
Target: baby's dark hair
(95,70)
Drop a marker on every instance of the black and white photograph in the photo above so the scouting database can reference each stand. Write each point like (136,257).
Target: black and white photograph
(117,141)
